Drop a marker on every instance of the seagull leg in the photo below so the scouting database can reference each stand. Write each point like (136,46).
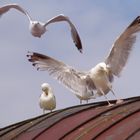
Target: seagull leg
(80,101)
(109,104)
(119,101)
(43,111)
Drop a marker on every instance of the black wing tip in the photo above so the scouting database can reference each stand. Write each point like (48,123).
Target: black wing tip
(33,64)
(34,56)
(30,60)
(79,47)
(138,17)
(78,44)
(135,21)
(80,50)
(29,54)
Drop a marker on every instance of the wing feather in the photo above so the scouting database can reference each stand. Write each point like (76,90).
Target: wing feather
(7,7)
(79,82)
(74,33)
(122,47)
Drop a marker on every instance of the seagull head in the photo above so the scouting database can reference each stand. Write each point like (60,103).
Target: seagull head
(101,67)
(35,23)
(45,87)
(37,28)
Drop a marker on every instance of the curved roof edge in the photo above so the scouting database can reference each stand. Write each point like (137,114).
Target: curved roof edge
(87,121)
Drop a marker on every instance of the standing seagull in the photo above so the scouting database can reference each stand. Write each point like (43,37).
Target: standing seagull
(47,99)
(98,80)
(38,28)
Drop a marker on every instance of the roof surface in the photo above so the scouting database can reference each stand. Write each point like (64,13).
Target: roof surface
(82,122)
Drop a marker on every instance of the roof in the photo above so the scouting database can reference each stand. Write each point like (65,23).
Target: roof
(82,122)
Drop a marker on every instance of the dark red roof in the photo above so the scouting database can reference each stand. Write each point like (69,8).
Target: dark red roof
(82,122)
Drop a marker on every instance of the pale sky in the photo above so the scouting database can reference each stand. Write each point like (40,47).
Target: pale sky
(98,22)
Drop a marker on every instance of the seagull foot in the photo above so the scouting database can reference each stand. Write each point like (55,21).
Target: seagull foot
(109,105)
(119,101)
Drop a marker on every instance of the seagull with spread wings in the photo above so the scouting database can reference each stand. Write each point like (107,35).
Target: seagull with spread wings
(38,28)
(98,80)
(47,99)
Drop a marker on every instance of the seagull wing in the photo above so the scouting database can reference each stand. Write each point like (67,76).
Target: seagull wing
(76,81)
(7,7)
(74,33)
(122,47)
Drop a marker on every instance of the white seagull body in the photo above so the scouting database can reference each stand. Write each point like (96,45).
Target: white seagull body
(98,80)
(38,28)
(47,99)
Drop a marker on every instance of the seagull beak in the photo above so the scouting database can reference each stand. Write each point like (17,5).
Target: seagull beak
(106,70)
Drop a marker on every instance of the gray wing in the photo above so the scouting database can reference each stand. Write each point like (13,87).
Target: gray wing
(7,7)
(74,33)
(122,47)
(76,81)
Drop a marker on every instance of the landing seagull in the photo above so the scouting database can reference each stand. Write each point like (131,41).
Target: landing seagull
(98,80)
(38,28)
(47,99)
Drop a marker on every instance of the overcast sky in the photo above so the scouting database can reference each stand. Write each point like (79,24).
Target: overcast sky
(98,22)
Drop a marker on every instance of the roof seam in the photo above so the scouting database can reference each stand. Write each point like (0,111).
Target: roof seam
(91,106)
(98,104)
(130,136)
(116,123)
(54,113)
(24,123)
(97,116)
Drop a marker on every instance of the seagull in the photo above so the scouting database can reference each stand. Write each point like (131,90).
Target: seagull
(47,99)
(38,28)
(98,80)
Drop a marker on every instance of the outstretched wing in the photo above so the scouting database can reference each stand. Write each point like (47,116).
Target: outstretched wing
(76,81)
(122,47)
(7,7)
(74,33)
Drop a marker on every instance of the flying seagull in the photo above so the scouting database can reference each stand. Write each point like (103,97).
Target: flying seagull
(98,80)
(47,99)
(38,28)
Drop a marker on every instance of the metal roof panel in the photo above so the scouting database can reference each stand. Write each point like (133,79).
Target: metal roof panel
(87,121)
